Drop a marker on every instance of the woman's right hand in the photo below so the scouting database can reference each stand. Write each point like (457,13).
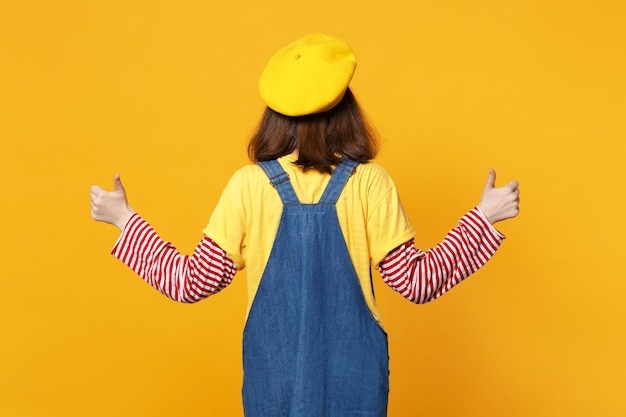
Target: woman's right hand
(499,203)
(111,206)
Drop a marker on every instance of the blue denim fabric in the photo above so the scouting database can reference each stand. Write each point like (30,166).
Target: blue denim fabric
(311,347)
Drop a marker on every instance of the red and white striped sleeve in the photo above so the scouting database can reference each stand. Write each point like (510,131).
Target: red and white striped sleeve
(421,277)
(186,279)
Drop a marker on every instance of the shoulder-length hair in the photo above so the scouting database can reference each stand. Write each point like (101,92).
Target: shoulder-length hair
(320,140)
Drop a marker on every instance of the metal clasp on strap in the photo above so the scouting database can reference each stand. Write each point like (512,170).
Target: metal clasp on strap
(279,179)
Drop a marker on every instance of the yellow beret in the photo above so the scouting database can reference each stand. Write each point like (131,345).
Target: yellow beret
(308,76)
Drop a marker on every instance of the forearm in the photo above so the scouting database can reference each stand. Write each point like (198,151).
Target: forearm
(424,276)
(186,279)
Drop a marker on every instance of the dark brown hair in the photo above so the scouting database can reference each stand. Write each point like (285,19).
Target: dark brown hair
(321,140)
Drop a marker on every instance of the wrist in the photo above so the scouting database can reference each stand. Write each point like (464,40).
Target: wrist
(485,213)
(122,220)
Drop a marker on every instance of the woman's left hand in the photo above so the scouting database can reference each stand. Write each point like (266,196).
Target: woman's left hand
(111,206)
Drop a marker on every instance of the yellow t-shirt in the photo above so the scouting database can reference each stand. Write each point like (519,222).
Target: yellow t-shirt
(373,222)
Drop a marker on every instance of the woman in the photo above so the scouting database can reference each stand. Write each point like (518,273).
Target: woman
(308,221)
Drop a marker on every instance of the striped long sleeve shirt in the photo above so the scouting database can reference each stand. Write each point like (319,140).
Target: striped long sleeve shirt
(417,275)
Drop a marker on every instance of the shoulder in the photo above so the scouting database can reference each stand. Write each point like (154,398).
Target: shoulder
(247,185)
(246,171)
(373,169)
(374,176)
(247,175)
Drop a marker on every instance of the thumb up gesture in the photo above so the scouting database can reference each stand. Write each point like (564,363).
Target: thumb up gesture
(110,206)
(499,203)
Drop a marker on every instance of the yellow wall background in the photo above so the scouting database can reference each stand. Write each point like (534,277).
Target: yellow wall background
(164,92)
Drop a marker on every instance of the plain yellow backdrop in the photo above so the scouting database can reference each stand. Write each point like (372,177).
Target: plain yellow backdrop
(165,93)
